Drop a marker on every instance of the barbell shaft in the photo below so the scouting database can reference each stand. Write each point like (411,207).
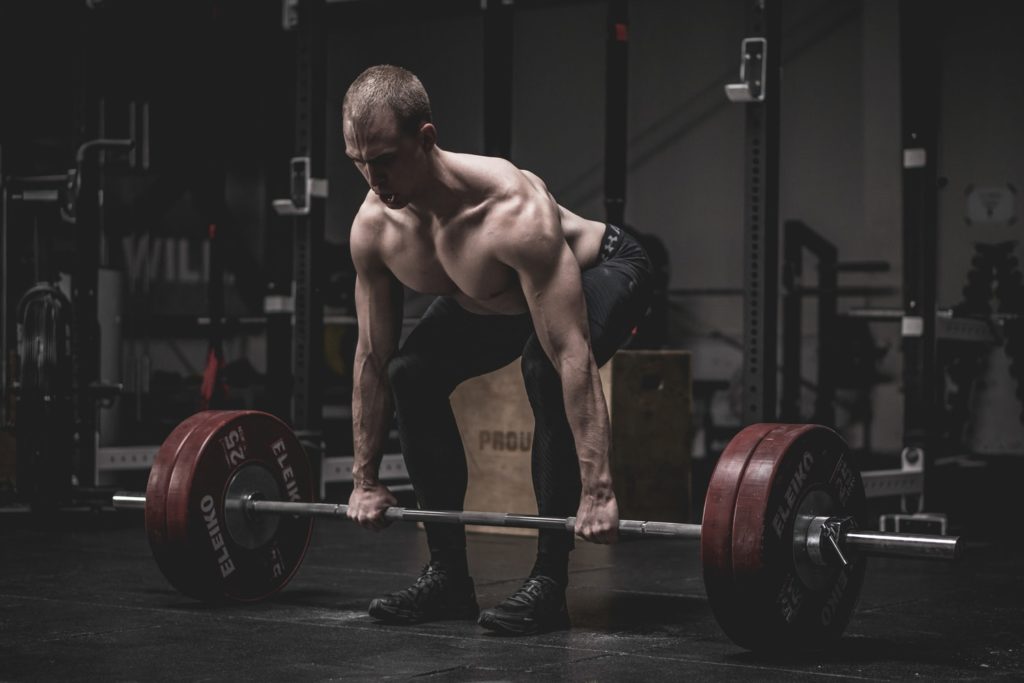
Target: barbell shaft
(627,527)
(918,546)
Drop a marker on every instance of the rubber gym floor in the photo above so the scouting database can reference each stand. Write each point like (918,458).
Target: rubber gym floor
(82,599)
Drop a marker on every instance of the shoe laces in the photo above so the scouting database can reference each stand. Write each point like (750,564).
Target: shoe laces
(535,588)
(431,578)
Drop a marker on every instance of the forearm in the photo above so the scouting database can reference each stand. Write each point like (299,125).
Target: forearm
(587,413)
(371,413)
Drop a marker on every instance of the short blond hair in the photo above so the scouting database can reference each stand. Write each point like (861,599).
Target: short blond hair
(388,86)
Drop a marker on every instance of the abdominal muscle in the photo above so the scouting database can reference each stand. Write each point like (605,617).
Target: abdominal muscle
(509,302)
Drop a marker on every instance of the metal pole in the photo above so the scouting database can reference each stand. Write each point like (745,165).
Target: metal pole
(761,228)
(904,545)
(129,501)
(792,320)
(920,70)
(499,67)
(868,542)
(3,298)
(308,228)
(616,107)
(627,527)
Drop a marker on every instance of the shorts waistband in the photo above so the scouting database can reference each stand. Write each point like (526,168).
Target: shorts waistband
(611,242)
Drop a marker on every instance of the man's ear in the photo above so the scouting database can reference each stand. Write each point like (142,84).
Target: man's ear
(428,136)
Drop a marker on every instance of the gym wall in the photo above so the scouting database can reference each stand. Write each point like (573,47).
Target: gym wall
(840,169)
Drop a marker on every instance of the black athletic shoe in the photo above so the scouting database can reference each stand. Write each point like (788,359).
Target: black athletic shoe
(537,607)
(436,595)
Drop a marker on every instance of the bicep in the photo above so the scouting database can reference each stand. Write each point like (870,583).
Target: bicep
(378,313)
(378,299)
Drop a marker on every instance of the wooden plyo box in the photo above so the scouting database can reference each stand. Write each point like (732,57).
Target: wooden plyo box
(650,401)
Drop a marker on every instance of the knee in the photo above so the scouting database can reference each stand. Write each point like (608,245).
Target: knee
(413,376)
(406,372)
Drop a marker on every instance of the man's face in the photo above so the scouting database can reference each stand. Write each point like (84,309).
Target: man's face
(385,156)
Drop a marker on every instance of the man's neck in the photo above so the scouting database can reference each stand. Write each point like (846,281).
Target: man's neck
(444,194)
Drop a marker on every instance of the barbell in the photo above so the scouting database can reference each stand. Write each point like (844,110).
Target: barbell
(229,514)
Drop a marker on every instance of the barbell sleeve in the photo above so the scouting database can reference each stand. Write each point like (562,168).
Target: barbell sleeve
(919,546)
(124,500)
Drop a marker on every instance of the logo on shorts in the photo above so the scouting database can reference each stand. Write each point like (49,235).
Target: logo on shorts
(610,241)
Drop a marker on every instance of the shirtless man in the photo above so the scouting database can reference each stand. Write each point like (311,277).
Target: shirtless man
(515,275)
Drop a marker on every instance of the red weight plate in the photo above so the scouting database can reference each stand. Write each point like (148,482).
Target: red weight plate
(717,523)
(170,551)
(220,567)
(789,603)
(156,488)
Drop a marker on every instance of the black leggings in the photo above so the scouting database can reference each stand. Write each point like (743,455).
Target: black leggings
(450,345)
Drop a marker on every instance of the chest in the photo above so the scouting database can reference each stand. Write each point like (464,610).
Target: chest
(455,260)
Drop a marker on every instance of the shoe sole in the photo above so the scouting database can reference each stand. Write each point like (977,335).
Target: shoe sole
(493,621)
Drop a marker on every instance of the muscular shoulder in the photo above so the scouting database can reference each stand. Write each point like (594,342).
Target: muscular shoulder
(367,238)
(527,226)
(501,180)
(516,200)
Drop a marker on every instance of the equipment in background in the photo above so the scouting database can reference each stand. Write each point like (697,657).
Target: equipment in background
(761,49)
(846,352)
(229,515)
(980,385)
(1010,292)
(964,362)
(847,356)
(211,392)
(45,398)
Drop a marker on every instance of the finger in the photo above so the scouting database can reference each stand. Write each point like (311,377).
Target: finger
(366,521)
(379,520)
